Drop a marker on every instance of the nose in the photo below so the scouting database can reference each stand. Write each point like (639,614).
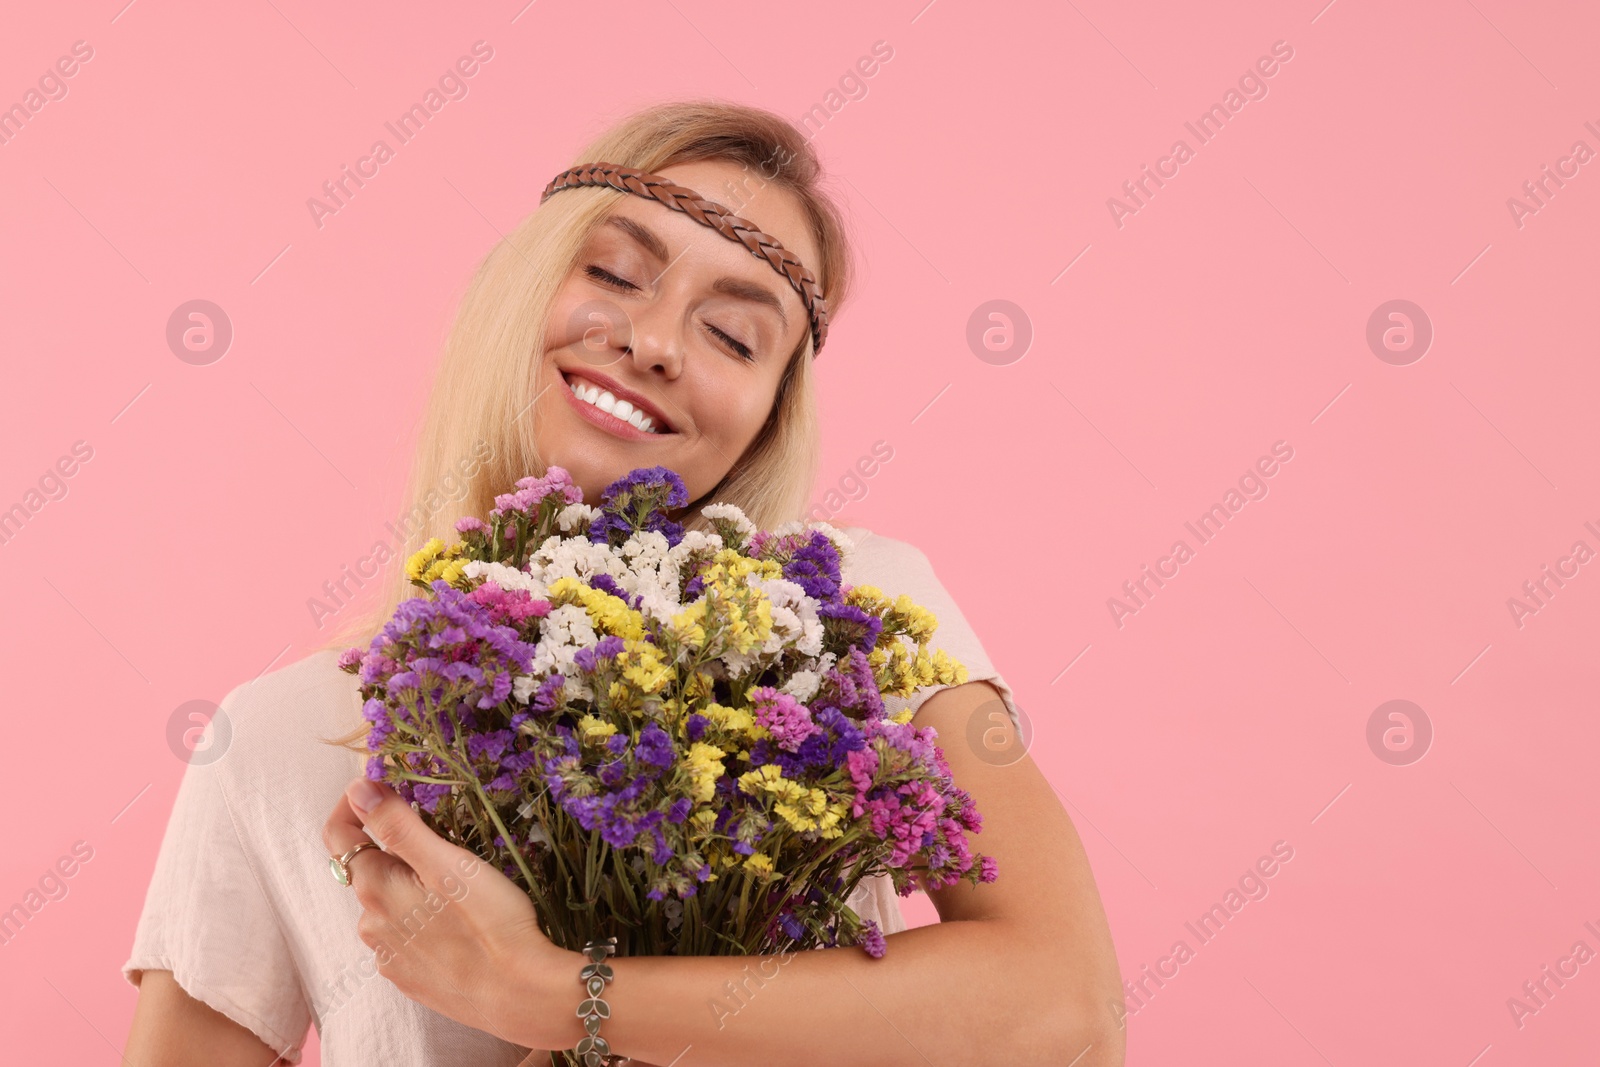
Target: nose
(652,337)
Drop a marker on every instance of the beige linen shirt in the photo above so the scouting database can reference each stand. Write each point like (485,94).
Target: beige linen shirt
(243,910)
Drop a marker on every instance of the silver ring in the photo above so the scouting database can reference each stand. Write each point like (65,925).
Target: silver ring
(340,865)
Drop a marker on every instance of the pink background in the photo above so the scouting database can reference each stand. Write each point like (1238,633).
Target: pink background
(1228,313)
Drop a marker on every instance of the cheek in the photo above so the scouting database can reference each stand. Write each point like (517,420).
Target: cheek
(561,312)
(736,411)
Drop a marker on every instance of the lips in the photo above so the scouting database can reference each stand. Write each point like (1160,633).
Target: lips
(591,389)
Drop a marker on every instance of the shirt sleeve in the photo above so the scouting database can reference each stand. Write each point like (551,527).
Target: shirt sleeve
(207,919)
(898,567)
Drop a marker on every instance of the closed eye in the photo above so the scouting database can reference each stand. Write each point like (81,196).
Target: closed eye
(738,346)
(601,274)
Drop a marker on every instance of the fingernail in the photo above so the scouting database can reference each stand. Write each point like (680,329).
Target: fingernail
(365,795)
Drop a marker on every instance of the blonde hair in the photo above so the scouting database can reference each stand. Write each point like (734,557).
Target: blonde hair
(494,361)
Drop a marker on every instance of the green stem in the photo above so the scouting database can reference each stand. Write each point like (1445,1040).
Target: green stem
(494,817)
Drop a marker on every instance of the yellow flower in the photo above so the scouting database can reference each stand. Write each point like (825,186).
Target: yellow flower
(418,563)
(867,598)
(688,627)
(697,687)
(642,665)
(704,763)
(433,560)
(919,621)
(608,614)
(796,804)
(759,862)
(735,720)
(728,567)
(595,728)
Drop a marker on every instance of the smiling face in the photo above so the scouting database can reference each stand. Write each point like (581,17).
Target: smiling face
(667,341)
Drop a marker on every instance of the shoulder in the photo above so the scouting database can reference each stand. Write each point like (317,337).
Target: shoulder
(310,693)
(274,725)
(875,558)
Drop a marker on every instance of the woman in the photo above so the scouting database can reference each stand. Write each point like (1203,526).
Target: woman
(608,332)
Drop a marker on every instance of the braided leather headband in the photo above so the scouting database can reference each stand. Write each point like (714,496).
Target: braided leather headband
(707,213)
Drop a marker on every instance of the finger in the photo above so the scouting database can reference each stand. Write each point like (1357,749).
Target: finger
(401,831)
(342,832)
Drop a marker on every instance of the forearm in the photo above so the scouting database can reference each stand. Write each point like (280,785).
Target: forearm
(969,992)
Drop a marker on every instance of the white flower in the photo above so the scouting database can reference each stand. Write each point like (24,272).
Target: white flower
(732,514)
(802,685)
(656,604)
(573,557)
(575,518)
(697,542)
(794,526)
(645,548)
(565,630)
(505,577)
(795,622)
(523,686)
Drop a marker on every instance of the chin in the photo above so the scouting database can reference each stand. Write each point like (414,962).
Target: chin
(590,476)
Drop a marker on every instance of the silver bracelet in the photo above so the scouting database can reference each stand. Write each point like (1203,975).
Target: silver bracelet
(594,1049)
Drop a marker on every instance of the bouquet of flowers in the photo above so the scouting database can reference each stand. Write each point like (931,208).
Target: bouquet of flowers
(677,738)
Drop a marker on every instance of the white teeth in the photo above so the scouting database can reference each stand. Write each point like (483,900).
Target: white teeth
(605,401)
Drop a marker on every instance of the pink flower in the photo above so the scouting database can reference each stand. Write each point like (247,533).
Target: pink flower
(788,720)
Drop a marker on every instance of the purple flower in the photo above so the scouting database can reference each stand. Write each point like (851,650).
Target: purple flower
(809,559)
(655,747)
(428,795)
(638,501)
(607,648)
(489,745)
(544,699)
(607,584)
(850,625)
(872,940)
(663,853)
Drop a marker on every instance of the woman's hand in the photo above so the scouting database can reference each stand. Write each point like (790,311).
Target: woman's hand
(450,931)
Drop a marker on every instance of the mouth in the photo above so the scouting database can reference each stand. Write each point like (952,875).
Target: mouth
(612,408)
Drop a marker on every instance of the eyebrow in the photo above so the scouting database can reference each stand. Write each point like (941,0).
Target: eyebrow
(729,286)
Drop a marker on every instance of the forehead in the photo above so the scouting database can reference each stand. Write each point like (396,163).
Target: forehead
(773,210)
